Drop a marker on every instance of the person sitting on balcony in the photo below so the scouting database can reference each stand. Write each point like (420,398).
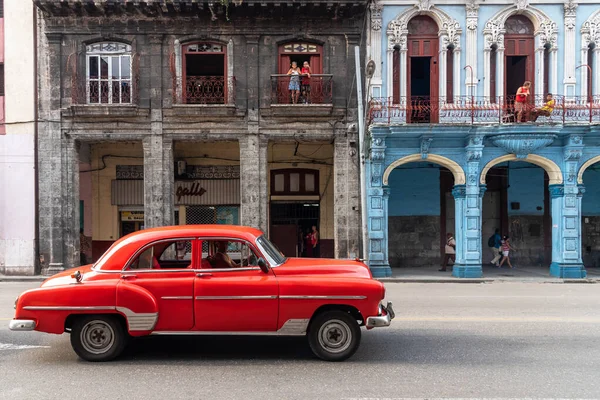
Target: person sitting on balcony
(545,110)
(294,86)
(521,100)
(306,71)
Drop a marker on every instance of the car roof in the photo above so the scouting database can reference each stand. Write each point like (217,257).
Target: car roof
(128,244)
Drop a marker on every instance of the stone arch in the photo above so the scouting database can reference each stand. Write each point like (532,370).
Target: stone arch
(585,166)
(457,171)
(546,37)
(552,169)
(397,37)
(590,35)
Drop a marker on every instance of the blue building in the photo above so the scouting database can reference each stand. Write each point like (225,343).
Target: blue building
(453,150)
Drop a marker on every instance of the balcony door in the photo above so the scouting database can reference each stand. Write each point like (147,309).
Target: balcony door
(519,55)
(299,53)
(204,73)
(423,72)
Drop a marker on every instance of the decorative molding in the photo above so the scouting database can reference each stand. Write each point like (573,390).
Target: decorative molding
(472,8)
(130,172)
(523,144)
(545,28)
(556,191)
(580,190)
(521,4)
(573,154)
(449,28)
(474,155)
(459,191)
(570,12)
(425,144)
(376,10)
(590,31)
(482,189)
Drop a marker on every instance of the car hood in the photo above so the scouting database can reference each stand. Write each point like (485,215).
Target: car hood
(321,266)
(64,277)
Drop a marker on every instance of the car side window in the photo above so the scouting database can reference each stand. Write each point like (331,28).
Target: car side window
(179,250)
(173,254)
(145,259)
(227,254)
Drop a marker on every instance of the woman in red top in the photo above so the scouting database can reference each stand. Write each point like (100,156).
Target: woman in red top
(521,100)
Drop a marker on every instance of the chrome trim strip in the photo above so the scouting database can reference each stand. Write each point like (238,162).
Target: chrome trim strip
(69,308)
(294,327)
(154,271)
(163,271)
(22,325)
(310,297)
(177,297)
(139,321)
(236,297)
(221,333)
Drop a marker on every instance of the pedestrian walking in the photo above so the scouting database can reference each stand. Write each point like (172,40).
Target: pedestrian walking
(506,248)
(315,241)
(494,243)
(449,252)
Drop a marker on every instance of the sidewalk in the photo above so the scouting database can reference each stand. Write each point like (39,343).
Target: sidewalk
(490,274)
(432,275)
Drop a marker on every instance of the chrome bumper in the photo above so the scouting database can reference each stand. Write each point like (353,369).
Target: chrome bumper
(21,325)
(382,319)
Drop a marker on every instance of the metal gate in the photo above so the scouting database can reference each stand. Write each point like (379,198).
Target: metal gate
(229,215)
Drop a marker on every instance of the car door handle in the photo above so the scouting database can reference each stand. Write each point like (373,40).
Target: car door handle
(203,274)
(128,276)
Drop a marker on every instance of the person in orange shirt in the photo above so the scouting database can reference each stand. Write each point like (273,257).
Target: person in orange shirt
(521,100)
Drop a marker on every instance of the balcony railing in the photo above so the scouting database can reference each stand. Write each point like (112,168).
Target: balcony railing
(318,89)
(204,90)
(104,92)
(482,110)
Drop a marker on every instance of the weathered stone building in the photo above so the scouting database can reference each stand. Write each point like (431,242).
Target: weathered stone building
(170,112)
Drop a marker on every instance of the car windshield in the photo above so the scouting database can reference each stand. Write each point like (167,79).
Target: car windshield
(272,251)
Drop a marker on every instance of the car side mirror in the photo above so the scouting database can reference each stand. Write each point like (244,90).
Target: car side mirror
(263,265)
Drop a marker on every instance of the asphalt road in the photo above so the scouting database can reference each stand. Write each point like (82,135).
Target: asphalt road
(500,340)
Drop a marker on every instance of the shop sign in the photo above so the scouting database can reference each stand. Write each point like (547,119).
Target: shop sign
(132,216)
(194,190)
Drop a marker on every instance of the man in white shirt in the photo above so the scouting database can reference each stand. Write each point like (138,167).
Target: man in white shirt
(449,252)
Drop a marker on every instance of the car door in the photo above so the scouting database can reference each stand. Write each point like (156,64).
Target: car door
(238,299)
(156,269)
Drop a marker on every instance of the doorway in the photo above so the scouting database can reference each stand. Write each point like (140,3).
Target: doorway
(519,64)
(299,53)
(290,223)
(205,80)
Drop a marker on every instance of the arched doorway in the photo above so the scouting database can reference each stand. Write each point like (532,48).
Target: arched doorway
(519,53)
(423,72)
(517,202)
(589,176)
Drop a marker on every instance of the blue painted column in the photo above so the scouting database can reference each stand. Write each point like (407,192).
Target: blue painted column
(566,215)
(468,206)
(377,203)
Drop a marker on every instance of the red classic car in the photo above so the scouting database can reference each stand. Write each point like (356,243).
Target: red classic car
(205,279)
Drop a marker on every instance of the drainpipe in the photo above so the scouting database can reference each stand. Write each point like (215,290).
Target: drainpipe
(361,152)
(36,240)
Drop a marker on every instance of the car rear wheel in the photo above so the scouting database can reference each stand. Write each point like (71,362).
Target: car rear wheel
(98,337)
(334,335)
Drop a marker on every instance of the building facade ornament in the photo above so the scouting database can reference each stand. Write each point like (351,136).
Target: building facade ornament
(397,30)
(570,11)
(472,14)
(590,31)
(376,10)
(425,143)
(424,5)
(521,4)
(545,28)
(523,144)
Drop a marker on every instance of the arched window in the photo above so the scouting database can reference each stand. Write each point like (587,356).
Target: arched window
(519,62)
(109,73)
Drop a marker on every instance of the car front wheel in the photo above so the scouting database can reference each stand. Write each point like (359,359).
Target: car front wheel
(334,335)
(98,337)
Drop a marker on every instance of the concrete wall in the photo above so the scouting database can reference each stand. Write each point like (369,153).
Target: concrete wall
(17,168)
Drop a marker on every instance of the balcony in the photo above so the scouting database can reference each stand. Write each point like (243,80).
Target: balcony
(318,89)
(206,90)
(467,110)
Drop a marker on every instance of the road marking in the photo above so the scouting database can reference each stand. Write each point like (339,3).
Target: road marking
(10,346)
(5,319)
(593,320)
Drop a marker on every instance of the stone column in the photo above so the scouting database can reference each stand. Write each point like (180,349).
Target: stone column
(471,46)
(569,80)
(346,212)
(50,159)
(443,54)
(553,84)
(500,71)
(566,215)
(254,181)
(377,207)
(539,76)
(252,82)
(375,48)
(71,203)
(468,210)
(457,70)
(158,181)
(487,55)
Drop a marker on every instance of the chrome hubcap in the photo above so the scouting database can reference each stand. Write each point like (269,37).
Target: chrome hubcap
(335,336)
(97,337)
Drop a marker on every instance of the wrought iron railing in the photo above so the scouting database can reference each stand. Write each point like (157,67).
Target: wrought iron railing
(483,110)
(204,90)
(318,89)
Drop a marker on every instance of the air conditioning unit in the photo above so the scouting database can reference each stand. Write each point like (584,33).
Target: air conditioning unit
(181,167)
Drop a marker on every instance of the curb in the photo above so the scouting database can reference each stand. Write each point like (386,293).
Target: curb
(486,280)
(23,278)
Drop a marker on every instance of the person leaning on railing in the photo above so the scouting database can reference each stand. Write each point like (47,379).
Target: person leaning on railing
(545,110)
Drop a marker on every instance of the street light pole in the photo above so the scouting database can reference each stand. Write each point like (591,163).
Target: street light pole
(589,91)
(472,99)
(361,153)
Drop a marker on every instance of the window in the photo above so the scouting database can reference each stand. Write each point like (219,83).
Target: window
(109,73)
(171,254)
(205,75)
(1,79)
(450,75)
(294,182)
(590,62)
(1,8)
(493,60)
(227,254)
